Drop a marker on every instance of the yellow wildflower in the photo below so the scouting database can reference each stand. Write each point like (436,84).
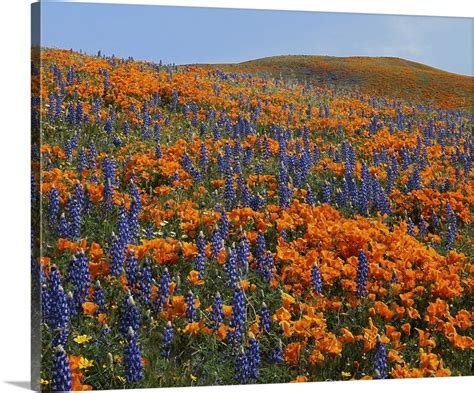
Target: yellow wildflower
(84,339)
(85,363)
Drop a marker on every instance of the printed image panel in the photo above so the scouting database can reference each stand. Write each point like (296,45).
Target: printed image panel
(226,196)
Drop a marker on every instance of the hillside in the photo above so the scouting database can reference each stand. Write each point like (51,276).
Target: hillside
(190,225)
(379,76)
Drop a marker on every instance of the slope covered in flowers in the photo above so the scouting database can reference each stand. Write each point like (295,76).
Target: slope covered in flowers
(382,76)
(201,227)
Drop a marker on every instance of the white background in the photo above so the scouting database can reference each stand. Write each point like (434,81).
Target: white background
(15,186)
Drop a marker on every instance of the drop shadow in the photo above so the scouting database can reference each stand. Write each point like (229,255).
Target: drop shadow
(21,384)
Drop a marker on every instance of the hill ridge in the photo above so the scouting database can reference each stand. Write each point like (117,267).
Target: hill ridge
(377,75)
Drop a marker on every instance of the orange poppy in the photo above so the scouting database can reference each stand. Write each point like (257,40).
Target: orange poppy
(193,277)
(292,352)
(89,308)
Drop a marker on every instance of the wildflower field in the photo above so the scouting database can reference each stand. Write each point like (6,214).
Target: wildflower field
(196,226)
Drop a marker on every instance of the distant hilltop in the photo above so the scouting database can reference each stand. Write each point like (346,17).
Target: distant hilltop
(381,76)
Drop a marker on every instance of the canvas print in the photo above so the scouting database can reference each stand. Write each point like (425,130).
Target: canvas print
(225,196)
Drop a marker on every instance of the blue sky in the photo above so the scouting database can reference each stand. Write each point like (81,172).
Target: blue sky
(207,35)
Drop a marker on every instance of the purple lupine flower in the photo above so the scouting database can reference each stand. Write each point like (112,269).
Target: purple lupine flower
(239,313)
(204,159)
(79,276)
(201,244)
(414,181)
(108,194)
(451,223)
(316,280)
(79,114)
(227,158)
(217,313)
(117,253)
(327,112)
(157,133)
(61,376)
(229,191)
(53,209)
(247,156)
(130,316)
(109,170)
(266,151)
(186,162)
(362,275)
(243,251)
(54,279)
(158,151)
(316,155)
(217,133)
(72,305)
(257,202)
(230,268)
(74,213)
(99,297)
(265,266)
(78,194)
(276,355)
(253,359)
(81,161)
(245,195)
(380,360)
(224,225)
(131,269)
(91,164)
(284,192)
(383,203)
(264,322)
(200,265)
(149,232)
(108,126)
(341,197)
(352,190)
(242,369)
(59,315)
(216,243)
(163,290)
(144,283)
(202,130)
(68,150)
(106,82)
(126,128)
(123,229)
(168,335)
(191,311)
(132,358)
(45,303)
(260,246)
(52,107)
(327,190)
(75,140)
(363,199)
(450,236)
